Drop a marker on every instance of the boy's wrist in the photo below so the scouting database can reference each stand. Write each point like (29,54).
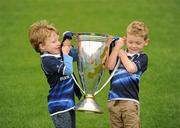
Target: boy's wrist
(121,52)
(65,53)
(118,45)
(116,49)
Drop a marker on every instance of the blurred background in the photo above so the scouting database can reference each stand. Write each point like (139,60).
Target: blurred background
(23,86)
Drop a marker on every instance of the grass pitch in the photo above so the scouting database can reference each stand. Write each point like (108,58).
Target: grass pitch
(23,87)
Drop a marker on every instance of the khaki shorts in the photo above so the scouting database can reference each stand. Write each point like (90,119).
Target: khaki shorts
(124,114)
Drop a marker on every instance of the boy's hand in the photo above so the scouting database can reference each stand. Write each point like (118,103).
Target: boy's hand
(109,40)
(120,43)
(114,39)
(67,43)
(67,35)
(66,47)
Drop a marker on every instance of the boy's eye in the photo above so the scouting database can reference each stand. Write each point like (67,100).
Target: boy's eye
(130,42)
(55,40)
(138,43)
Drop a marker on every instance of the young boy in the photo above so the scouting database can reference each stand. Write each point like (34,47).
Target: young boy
(123,99)
(58,69)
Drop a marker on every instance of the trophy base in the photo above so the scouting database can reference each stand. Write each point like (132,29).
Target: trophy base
(88,104)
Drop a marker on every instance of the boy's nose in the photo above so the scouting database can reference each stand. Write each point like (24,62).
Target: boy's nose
(133,45)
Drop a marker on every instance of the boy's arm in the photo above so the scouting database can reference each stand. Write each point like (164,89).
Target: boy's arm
(112,59)
(128,64)
(114,54)
(52,65)
(67,37)
(68,69)
(68,65)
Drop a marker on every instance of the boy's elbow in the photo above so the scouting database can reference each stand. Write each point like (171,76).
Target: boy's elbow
(131,70)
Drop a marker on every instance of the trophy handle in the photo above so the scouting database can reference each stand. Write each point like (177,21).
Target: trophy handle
(78,84)
(108,78)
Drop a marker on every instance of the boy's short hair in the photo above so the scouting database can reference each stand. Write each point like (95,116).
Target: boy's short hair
(138,28)
(39,31)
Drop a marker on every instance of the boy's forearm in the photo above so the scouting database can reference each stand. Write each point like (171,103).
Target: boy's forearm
(112,59)
(128,64)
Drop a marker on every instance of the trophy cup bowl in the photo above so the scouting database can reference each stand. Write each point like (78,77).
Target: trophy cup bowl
(92,54)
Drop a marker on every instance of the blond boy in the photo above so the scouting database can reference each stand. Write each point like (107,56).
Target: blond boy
(123,99)
(56,64)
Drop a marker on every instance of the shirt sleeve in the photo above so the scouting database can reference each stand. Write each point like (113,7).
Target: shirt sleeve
(68,65)
(141,62)
(52,65)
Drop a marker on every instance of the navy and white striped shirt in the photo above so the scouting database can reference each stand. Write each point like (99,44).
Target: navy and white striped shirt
(58,73)
(124,85)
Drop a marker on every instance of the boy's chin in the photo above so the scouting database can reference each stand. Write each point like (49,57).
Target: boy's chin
(133,52)
(55,53)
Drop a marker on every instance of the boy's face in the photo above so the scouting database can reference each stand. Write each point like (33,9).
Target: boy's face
(51,44)
(135,44)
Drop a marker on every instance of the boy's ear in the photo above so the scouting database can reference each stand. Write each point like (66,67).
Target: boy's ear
(41,47)
(147,41)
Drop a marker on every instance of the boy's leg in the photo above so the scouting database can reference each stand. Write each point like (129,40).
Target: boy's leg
(131,115)
(115,115)
(62,120)
(73,118)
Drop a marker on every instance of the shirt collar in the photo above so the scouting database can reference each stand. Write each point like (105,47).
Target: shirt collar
(49,54)
(131,54)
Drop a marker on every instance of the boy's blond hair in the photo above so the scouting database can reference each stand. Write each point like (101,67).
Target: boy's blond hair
(38,32)
(138,28)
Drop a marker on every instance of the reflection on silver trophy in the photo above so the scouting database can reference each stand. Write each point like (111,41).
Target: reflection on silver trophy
(92,54)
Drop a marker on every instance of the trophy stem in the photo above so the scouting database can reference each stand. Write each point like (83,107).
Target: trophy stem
(88,104)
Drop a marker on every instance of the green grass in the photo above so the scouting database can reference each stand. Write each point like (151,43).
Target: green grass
(23,87)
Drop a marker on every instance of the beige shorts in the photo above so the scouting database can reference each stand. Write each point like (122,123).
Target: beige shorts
(124,114)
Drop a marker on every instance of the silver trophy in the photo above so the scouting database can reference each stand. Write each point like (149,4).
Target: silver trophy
(92,54)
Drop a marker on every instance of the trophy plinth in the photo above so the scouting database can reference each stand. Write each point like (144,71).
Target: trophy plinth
(88,104)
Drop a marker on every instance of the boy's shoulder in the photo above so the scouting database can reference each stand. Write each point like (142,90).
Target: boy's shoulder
(137,55)
(50,58)
(143,54)
(47,55)
(141,57)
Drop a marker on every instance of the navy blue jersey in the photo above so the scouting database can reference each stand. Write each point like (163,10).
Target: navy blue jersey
(58,73)
(124,85)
